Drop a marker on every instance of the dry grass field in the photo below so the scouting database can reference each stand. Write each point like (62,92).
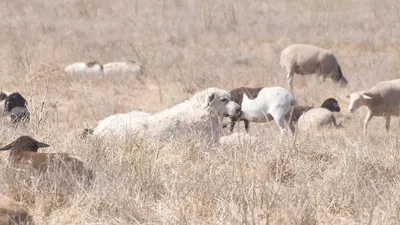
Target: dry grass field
(335,177)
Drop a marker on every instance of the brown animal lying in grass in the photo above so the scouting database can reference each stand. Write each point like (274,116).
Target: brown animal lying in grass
(24,154)
(13,212)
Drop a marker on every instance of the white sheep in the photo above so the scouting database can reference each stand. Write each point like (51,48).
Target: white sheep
(84,68)
(264,104)
(200,114)
(306,59)
(121,68)
(383,99)
(321,117)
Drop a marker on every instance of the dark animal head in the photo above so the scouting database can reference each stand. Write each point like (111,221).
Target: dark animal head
(2,96)
(15,107)
(24,143)
(339,78)
(331,104)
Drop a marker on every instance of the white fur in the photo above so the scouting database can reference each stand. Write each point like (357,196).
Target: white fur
(82,67)
(197,114)
(122,122)
(271,103)
(383,99)
(309,59)
(121,68)
(316,118)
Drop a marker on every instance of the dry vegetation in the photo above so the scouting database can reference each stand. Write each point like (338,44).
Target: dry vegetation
(338,177)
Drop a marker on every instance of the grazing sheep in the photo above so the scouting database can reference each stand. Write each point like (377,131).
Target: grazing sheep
(121,68)
(321,117)
(306,59)
(15,106)
(383,99)
(85,68)
(263,104)
(13,212)
(201,114)
(330,103)
(24,154)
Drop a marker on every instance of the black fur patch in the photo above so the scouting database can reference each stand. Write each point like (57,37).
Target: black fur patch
(13,101)
(237,94)
(331,104)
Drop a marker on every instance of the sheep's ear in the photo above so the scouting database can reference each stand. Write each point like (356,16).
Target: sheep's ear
(366,96)
(207,99)
(7,147)
(42,145)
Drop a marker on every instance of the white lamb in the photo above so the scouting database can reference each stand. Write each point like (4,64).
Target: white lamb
(121,68)
(264,104)
(306,59)
(383,99)
(200,114)
(84,68)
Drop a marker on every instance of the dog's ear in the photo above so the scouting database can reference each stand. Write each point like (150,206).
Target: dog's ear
(206,100)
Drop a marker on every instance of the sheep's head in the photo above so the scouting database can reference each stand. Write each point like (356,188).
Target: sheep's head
(219,101)
(357,99)
(331,104)
(25,143)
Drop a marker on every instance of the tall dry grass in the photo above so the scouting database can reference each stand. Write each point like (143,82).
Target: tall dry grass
(337,177)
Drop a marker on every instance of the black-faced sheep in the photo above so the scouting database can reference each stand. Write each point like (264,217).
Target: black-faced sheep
(15,106)
(330,104)
(306,59)
(13,212)
(263,104)
(383,100)
(85,68)
(201,114)
(321,117)
(24,154)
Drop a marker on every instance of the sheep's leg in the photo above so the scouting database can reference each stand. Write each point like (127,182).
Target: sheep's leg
(279,120)
(366,120)
(233,122)
(387,124)
(289,78)
(291,126)
(246,125)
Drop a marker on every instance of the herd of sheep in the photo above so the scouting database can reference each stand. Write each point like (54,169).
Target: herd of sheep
(202,114)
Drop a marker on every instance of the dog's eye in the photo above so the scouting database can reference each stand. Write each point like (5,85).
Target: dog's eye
(224,100)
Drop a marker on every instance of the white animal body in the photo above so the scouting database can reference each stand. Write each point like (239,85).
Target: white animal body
(320,117)
(316,118)
(383,99)
(306,59)
(122,122)
(264,104)
(200,114)
(122,68)
(84,68)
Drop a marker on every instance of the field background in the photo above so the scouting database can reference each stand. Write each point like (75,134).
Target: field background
(332,177)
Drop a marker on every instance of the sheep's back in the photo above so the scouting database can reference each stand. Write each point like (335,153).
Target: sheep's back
(316,118)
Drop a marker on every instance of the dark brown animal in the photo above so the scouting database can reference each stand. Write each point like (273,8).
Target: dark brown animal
(24,154)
